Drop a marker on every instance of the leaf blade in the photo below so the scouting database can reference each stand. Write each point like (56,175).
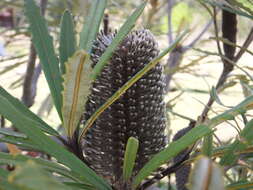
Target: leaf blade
(172,150)
(24,110)
(67,39)
(76,89)
(63,156)
(91,28)
(45,49)
(129,157)
(124,30)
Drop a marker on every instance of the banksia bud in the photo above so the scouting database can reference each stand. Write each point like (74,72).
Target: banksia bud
(139,112)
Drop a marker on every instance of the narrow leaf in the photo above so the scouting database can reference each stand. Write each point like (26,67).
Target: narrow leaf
(45,49)
(26,112)
(172,150)
(215,97)
(67,39)
(3,173)
(91,26)
(124,30)
(246,137)
(240,186)
(31,176)
(76,89)
(242,107)
(206,176)
(129,158)
(207,145)
(49,146)
(10,132)
(48,165)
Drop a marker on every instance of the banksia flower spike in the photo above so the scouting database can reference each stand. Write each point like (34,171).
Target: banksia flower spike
(139,112)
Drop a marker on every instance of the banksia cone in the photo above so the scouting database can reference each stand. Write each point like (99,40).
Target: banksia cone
(139,112)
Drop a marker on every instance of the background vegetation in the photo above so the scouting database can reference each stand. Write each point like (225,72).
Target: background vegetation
(207,83)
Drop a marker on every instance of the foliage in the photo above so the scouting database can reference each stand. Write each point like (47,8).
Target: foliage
(69,73)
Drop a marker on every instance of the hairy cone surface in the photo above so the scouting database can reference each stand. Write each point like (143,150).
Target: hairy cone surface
(139,112)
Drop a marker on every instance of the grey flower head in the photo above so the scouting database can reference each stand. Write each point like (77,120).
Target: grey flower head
(139,112)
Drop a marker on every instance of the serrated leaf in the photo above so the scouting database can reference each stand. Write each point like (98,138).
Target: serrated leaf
(129,157)
(76,88)
(44,47)
(67,39)
(172,150)
(206,175)
(91,26)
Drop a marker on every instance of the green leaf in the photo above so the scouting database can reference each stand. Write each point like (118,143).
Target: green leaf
(124,30)
(49,146)
(91,26)
(208,145)
(67,39)
(129,158)
(24,143)
(206,175)
(246,137)
(221,5)
(48,165)
(26,112)
(9,132)
(76,90)
(240,186)
(5,185)
(45,49)
(172,150)
(243,4)
(79,186)
(3,173)
(215,97)
(128,84)
(242,107)
(32,176)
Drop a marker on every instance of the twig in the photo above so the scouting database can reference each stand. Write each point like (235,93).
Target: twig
(2,125)
(28,96)
(245,45)
(106,24)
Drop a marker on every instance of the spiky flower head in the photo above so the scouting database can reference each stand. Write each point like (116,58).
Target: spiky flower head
(138,113)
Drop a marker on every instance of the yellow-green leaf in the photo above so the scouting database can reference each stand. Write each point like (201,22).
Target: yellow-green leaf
(76,87)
